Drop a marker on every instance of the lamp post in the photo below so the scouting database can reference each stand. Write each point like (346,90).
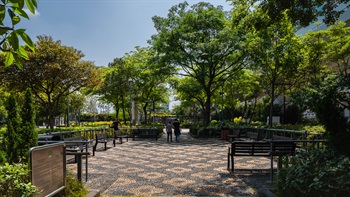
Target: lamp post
(130,86)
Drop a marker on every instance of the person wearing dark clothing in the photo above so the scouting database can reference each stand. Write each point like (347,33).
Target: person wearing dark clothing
(115,124)
(177,133)
(169,131)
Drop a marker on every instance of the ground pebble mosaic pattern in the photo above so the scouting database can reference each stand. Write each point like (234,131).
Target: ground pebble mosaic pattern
(193,167)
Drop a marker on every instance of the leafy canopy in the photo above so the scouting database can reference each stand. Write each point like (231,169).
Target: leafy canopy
(9,42)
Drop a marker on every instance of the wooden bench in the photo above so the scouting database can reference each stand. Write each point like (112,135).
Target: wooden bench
(279,137)
(72,146)
(260,149)
(76,144)
(101,138)
(253,136)
(145,133)
(118,135)
(248,136)
(236,133)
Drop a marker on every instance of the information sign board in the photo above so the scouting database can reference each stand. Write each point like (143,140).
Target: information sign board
(48,168)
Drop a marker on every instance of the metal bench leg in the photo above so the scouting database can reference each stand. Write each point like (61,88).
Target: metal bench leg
(271,168)
(228,158)
(79,167)
(94,149)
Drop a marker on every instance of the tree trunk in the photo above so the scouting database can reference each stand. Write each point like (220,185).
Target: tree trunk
(144,108)
(207,110)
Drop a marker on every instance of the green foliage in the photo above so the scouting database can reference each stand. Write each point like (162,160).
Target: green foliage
(315,173)
(326,90)
(13,126)
(2,156)
(74,187)
(313,128)
(302,127)
(199,40)
(27,135)
(303,12)
(15,11)
(14,181)
(237,120)
(52,72)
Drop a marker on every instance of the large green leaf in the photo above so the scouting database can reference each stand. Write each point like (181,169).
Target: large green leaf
(9,59)
(22,13)
(22,52)
(35,3)
(31,5)
(18,61)
(13,40)
(16,20)
(11,13)
(26,39)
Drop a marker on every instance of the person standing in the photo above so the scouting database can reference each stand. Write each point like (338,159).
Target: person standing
(177,133)
(115,124)
(169,132)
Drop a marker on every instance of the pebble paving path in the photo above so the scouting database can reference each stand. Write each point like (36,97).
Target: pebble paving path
(193,167)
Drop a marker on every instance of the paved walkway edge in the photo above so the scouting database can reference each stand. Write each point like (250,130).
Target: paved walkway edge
(94,193)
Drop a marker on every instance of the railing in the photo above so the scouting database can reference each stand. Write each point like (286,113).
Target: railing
(292,134)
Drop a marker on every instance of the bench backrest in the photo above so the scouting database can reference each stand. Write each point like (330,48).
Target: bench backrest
(236,133)
(278,137)
(117,133)
(262,148)
(283,148)
(76,138)
(253,136)
(145,131)
(250,148)
(100,136)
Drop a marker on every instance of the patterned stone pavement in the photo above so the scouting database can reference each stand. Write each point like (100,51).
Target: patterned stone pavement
(193,167)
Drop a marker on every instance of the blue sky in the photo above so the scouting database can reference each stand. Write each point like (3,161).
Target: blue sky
(101,29)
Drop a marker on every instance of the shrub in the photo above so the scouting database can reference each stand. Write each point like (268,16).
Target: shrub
(14,180)
(74,187)
(315,173)
(2,157)
(237,120)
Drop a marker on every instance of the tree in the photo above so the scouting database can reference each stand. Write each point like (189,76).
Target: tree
(9,42)
(13,127)
(52,72)
(244,88)
(188,89)
(149,78)
(303,12)
(328,94)
(115,87)
(201,42)
(27,135)
(77,101)
(277,53)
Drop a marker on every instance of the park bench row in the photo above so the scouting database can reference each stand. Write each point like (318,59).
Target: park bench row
(80,144)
